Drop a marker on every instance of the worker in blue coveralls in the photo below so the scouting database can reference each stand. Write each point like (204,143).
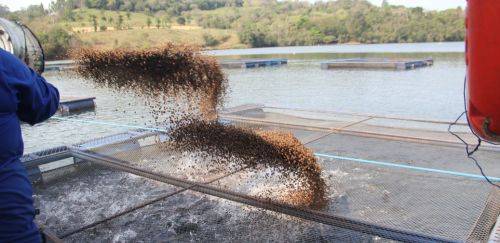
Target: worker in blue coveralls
(25,96)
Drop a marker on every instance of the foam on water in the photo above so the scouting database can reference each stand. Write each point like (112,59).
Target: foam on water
(86,196)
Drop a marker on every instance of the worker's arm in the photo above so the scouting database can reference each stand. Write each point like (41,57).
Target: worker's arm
(37,100)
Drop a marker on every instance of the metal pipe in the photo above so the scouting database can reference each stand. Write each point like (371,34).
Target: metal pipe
(47,159)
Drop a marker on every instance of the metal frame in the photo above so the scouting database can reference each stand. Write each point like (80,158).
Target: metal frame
(304,213)
(81,153)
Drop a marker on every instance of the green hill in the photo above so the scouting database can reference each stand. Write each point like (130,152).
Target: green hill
(231,23)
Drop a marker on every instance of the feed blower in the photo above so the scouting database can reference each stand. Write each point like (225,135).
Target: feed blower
(19,40)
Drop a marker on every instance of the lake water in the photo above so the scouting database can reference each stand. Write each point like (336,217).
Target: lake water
(435,92)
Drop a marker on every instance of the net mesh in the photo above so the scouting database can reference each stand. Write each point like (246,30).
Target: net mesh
(70,198)
(446,207)
(191,216)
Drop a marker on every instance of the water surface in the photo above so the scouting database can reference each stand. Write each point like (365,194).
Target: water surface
(429,93)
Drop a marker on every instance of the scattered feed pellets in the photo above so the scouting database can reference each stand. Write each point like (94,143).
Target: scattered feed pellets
(184,90)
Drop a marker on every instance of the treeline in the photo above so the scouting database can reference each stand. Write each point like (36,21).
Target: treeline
(172,7)
(257,23)
(342,21)
(285,23)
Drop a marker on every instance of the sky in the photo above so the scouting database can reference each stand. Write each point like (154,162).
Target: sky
(426,4)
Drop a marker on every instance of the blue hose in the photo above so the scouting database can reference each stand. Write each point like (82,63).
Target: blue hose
(395,165)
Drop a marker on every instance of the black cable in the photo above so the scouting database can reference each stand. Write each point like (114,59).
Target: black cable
(470,153)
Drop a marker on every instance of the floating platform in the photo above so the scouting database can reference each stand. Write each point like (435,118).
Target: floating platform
(377,63)
(69,105)
(60,65)
(128,187)
(253,63)
(65,65)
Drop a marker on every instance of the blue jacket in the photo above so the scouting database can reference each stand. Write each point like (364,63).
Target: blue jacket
(24,96)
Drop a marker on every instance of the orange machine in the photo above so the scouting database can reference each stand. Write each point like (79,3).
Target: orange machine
(483,68)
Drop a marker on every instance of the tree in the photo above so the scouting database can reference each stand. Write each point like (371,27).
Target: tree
(128,5)
(356,25)
(57,6)
(103,27)
(56,42)
(256,35)
(119,22)
(35,11)
(209,4)
(303,21)
(93,20)
(385,4)
(158,23)
(210,40)
(166,22)
(140,5)
(181,20)
(113,4)
(4,11)
(99,4)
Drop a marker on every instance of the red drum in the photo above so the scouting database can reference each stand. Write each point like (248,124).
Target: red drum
(483,68)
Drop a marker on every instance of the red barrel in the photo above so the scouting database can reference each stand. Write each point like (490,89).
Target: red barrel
(483,67)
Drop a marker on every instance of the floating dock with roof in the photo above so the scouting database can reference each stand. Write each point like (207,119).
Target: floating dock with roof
(253,63)
(377,63)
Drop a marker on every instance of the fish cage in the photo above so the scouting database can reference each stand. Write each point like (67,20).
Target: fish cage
(377,63)
(131,187)
(253,63)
